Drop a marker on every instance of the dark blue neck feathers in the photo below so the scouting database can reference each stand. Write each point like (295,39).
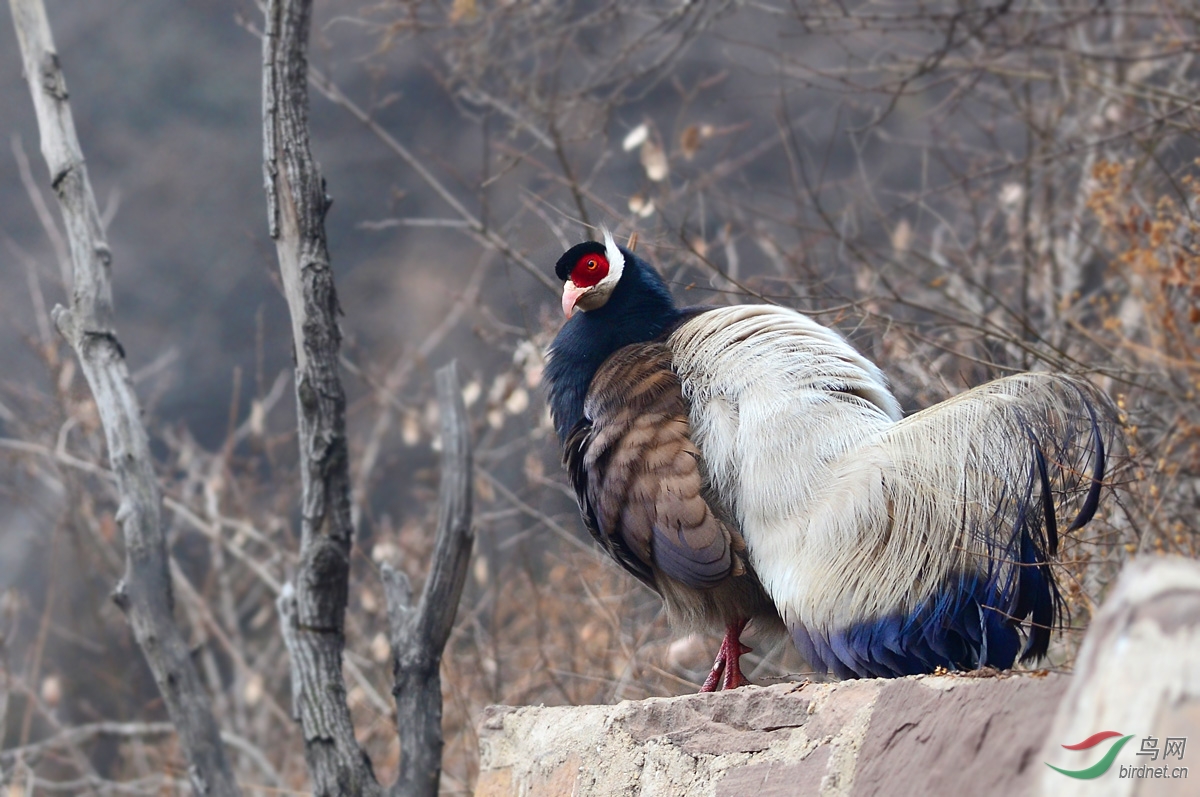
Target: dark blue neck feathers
(640,309)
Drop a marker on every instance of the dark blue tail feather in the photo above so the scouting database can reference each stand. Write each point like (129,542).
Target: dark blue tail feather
(1005,610)
(977,618)
(961,630)
(1092,501)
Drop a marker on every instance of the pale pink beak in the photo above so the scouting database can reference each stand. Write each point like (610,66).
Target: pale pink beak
(571,294)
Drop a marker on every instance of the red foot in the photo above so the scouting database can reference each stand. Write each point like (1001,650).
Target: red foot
(727,667)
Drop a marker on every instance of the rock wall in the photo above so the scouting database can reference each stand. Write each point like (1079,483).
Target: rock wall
(1138,671)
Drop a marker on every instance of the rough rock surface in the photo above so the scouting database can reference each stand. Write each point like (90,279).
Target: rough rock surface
(1139,672)
(856,737)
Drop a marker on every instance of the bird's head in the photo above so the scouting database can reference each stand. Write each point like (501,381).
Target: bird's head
(621,300)
(591,271)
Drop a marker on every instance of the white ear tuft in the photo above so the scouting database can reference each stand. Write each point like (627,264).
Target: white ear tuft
(616,260)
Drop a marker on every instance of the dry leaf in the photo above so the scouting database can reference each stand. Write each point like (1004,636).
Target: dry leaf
(258,418)
(51,691)
(253,691)
(640,205)
(1011,194)
(635,137)
(472,392)
(533,373)
(385,553)
(381,651)
(689,141)
(463,11)
(902,237)
(410,429)
(517,401)
(484,490)
(535,470)
(654,161)
(433,414)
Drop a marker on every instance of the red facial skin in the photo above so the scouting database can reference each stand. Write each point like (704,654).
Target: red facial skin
(586,275)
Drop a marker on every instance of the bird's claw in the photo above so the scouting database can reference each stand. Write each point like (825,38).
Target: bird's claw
(727,669)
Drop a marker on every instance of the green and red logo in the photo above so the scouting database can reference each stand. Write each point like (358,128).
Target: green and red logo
(1100,767)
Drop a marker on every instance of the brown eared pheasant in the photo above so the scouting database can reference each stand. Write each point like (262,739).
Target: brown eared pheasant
(750,466)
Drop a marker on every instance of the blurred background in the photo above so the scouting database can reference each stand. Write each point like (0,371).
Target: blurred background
(964,189)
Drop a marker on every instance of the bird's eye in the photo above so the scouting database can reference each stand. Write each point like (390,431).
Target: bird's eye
(589,270)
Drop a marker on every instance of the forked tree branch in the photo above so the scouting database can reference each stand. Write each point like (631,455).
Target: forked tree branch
(145,591)
(419,634)
(313,610)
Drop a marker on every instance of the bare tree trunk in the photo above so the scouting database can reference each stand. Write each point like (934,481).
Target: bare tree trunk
(419,635)
(145,591)
(313,611)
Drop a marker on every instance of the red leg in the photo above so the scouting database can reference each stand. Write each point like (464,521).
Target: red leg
(727,667)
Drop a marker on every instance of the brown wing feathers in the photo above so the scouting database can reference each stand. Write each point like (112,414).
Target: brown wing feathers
(637,474)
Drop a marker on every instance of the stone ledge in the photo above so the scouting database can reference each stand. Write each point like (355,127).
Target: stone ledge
(1139,669)
(789,739)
